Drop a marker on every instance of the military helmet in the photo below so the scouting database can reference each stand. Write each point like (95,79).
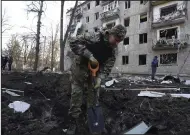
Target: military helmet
(119,31)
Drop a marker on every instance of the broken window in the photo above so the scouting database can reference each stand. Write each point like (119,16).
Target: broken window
(168,33)
(97,2)
(125,60)
(143,38)
(142,59)
(126,22)
(127,4)
(168,10)
(87,19)
(97,15)
(88,6)
(141,1)
(86,30)
(126,41)
(110,25)
(143,18)
(168,58)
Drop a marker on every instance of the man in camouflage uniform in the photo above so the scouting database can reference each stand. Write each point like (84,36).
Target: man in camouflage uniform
(95,48)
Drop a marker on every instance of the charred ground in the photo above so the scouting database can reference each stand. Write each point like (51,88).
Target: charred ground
(122,109)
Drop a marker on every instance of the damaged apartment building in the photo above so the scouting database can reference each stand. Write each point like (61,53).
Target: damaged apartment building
(154,28)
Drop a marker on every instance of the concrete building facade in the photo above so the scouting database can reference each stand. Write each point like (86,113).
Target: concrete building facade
(154,28)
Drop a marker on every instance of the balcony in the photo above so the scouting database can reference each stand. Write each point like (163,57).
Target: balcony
(171,19)
(170,44)
(158,2)
(171,15)
(110,15)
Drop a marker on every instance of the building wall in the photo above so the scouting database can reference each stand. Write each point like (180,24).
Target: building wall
(134,49)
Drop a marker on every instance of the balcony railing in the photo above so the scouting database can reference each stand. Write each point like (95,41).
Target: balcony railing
(176,17)
(106,2)
(158,2)
(109,15)
(170,44)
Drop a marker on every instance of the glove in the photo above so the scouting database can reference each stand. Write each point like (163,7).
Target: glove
(93,62)
(98,83)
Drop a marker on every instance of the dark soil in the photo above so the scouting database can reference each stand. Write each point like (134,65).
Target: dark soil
(122,109)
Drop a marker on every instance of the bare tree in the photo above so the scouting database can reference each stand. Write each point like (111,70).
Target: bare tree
(14,49)
(28,40)
(36,7)
(66,36)
(53,42)
(5,22)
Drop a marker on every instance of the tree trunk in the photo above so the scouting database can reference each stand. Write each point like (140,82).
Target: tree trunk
(61,39)
(52,53)
(38,37)
(67,31)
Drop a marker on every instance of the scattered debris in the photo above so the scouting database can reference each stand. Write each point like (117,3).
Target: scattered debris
(171,78)
(29,83)
(159,94)
(11,93)
(12,90)
(151,94)
(141,128)
(64,130)
(187,82)
(111,82)
(19,106)
(166,82)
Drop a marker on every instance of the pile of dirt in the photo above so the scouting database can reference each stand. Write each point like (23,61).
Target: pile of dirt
(49,97)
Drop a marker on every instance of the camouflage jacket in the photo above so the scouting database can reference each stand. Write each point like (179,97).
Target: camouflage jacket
(95,44)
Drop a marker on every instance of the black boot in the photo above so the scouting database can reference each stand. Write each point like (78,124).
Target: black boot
(72,127)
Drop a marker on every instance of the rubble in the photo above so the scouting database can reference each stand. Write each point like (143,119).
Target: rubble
(19,106)
(122,109)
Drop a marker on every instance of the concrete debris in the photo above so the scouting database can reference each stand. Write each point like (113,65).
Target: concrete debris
(159,94)
(29,83)
(12,90)
(187,82)
(151,94)
(19,106)
(111,82)
(141,128)
(11,93)
(171,78)
(166,82)
(64,130)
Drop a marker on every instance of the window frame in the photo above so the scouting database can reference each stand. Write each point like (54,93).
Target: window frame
(125,20)
(145,57)
(161,60)
(97,13)
(88,6)
(144,15)
(127,4)
(124,60)
(172,5)
(143,42)
(96,3)
(124,41)
(88,19)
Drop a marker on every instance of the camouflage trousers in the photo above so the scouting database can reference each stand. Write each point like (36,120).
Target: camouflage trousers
(81,87)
